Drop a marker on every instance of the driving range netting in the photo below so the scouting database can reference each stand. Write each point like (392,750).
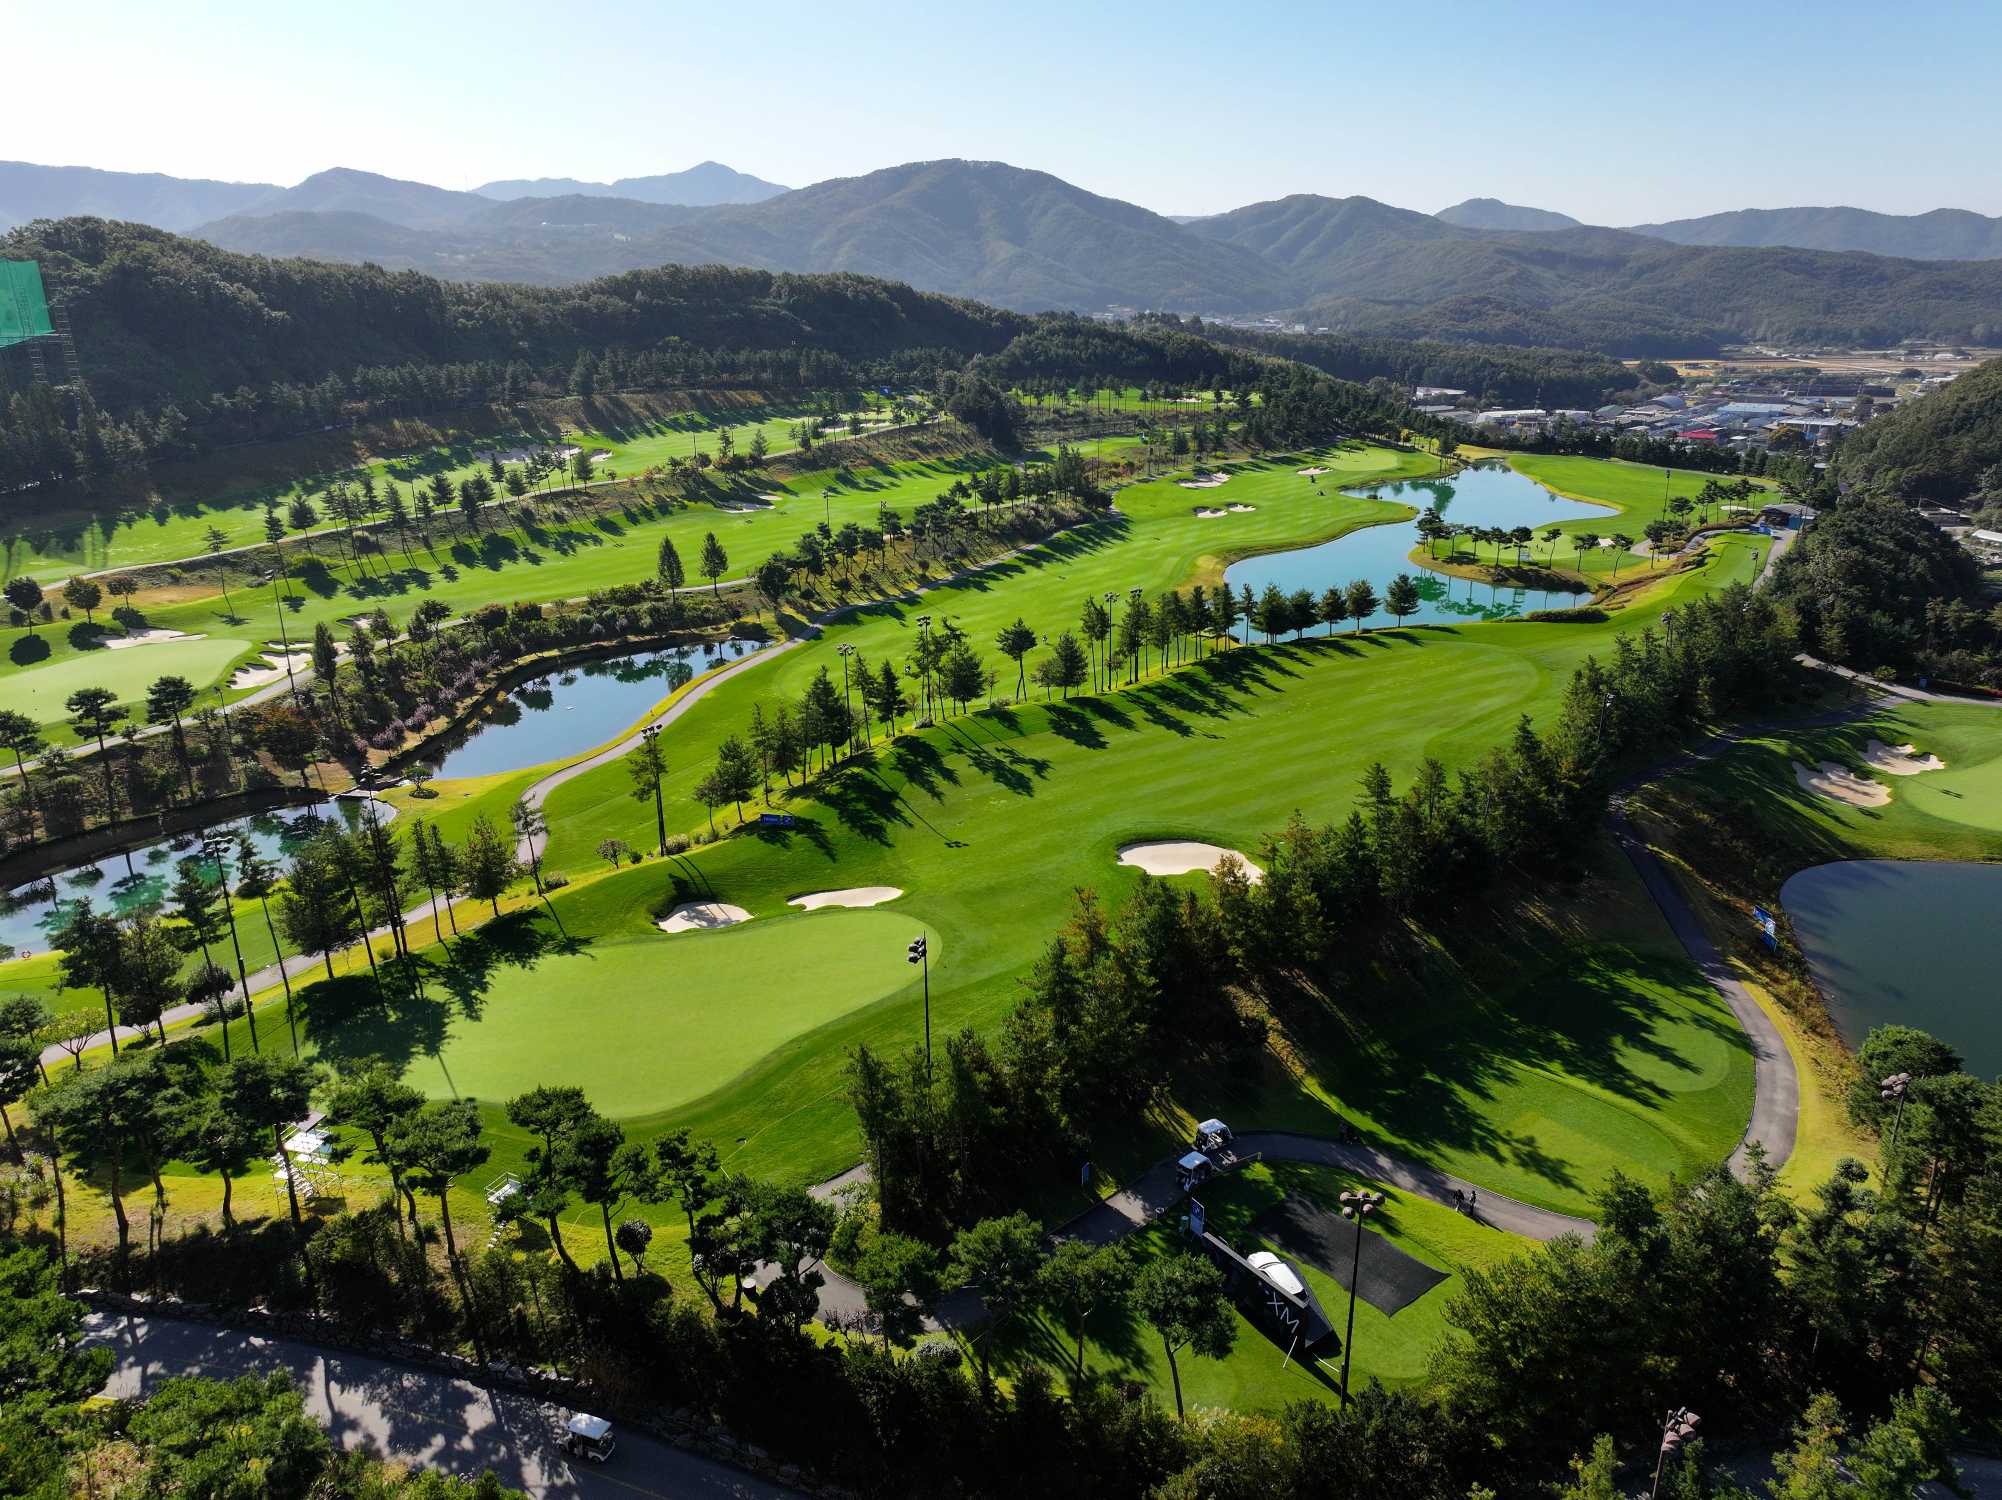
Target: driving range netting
(24,306)
(1388,1279)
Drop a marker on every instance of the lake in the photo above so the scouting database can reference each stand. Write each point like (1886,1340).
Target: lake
(562,713)
(1909,941)
(1485,495)
(138,879)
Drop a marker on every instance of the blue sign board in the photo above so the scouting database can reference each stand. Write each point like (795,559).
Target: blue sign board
(1768,928)
(776,820)
(1198,1222)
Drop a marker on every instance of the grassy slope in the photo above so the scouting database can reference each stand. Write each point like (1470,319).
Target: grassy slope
(558,561)
(223,492)
(921,817)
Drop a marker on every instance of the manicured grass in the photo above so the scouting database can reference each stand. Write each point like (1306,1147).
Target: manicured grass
(644,1021)
(40,691)
(90,536)
(1634,487)
(1395,1350)
(553,560)
(1955,813)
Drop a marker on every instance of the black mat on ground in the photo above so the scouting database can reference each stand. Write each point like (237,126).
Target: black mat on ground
(1389,1280)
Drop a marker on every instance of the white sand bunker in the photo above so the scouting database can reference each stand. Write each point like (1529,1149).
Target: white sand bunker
(703,916)
(1900,760)
(855,895)
(1310,473)
(146,638)
(1208,512)
(1840,784)
(270,669)
(1243,507)
(1203,481)
(1181,856)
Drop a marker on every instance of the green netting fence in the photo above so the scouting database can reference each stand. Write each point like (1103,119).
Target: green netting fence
(24,306)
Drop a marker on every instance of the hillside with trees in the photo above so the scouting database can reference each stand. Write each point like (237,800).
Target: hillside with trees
(1945,447)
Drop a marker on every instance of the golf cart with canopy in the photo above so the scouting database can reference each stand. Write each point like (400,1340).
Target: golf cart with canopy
(588,1437)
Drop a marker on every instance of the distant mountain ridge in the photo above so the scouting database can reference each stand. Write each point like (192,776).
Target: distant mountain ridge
(1942,234)
(1492,213)
(702,186)
(1027,241)
(29,191)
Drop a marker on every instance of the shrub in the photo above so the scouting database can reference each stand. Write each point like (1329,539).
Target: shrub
(554,880)
(1582,615)
(677,843)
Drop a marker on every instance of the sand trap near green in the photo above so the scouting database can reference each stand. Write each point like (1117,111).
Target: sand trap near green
(647,1023)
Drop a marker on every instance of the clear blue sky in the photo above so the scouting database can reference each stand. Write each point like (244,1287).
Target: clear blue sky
(1613,115)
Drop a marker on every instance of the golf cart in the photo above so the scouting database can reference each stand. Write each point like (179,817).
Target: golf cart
(588,1437)
(1193,1170)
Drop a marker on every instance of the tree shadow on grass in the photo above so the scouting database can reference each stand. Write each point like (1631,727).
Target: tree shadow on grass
(27,650)
(410,1014)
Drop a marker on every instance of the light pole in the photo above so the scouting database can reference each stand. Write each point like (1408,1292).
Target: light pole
(1677,1430)
(650,734)
(213,845)
(1894,1087)
(1356,1207)
(919,953)
(845,650)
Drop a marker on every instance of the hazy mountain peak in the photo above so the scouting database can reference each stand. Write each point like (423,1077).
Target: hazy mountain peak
(703,185)
(1492,213)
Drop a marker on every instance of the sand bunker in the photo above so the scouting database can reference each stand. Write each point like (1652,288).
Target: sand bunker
(1840,784)
(1208,512)
(146,638)
(1181,856)
(1900,760)
(1310,473)
(270,669)
(1203,481)
(855,895)
(702,916)
(1243,507)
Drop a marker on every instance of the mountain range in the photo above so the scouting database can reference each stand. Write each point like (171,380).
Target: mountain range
(1482,270)
(702,185)
(29,191)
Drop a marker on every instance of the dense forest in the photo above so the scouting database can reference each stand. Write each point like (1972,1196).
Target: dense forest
(158,316)
(1945,447)
(1491,372)
(1873,584)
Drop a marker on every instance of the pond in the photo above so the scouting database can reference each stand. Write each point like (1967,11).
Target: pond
(139,879)
(1484,495)
(565,712)
(1892,940)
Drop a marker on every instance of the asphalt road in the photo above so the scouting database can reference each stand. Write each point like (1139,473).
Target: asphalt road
(419,1417)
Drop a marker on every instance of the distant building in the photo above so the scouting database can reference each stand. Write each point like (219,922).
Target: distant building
(1436,393)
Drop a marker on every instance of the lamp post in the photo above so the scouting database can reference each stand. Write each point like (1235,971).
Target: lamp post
(845,650)
(213,846)
(1894,1087)
(1677,1430)
(1357,1206)
(919,953)
(650,734)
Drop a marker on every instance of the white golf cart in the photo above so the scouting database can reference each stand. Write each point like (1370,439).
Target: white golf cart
(588,1437)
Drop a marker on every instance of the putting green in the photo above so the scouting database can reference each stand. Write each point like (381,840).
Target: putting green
(641,1023)
(127,672)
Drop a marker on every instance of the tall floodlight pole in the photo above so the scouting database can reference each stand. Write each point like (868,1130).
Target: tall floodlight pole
(1356,1207)
(1894,1087)
(1677,1430)
(919,953)
(213,846)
